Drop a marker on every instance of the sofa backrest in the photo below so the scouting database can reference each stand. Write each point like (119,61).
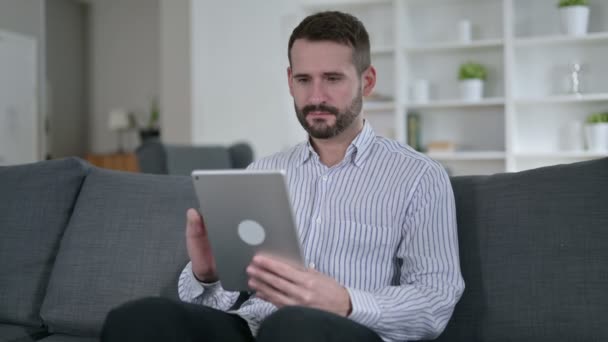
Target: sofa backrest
(534,255)
(181,160)
(36,201)
(125,241)
(156,157)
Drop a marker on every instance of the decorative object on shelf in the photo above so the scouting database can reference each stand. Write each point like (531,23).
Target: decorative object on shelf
(119,122)
(575,81)
(596,132)
(420,91)
(571,136)
(151,129)
(465,31)
(574,17)
(472,76)
(441,146)
(378,97)
(413,131)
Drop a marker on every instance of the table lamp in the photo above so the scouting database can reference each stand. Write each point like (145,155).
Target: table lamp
(118,121)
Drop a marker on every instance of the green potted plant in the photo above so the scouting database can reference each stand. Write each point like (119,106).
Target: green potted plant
(151,128)
(574,16)
(471,76)
(596,132)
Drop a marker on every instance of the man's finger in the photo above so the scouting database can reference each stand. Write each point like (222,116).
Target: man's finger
(193,216)
(279,268)
(277,282)
(270,294)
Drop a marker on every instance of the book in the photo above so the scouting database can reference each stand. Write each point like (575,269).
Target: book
(413,131)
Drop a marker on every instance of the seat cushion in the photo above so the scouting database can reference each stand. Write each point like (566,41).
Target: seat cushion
(36,201)
(10,333)
(534,252)
(125,241)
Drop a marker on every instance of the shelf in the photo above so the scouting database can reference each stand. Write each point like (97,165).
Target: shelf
(378,106)
(451,104)
(490,43)
(333,4)
(468,155)
(563,99)
(382,50)
(563,154)
(560,39)
(524,118)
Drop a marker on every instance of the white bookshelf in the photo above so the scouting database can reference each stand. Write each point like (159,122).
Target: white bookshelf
(481,44)
(564,99)
(453,104)
(561,40)
(464,155)
(520,122)
(382,50)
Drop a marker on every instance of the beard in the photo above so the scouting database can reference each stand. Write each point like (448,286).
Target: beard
(319,128)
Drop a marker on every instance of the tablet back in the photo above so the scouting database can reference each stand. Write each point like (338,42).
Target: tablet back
(246,212)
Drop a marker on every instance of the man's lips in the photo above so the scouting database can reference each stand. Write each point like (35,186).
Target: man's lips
(318,114)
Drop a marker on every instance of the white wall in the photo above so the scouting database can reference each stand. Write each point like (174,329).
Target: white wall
(239,74)
(175,71)
(124,63)
(27,17)
(66,34)
(239,62)
(218,67)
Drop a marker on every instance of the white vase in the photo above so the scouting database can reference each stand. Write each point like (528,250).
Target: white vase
(574,20)
(465,31)
(471,90)
(420,91)
(596,136)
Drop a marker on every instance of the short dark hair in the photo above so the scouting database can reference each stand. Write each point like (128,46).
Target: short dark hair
(342,28)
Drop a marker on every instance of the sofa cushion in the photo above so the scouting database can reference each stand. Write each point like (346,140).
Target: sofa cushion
(36,201)
(534,255)
(19,333)
(125,241)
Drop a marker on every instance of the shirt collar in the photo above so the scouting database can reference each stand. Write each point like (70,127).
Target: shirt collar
(357,150)
(360,147)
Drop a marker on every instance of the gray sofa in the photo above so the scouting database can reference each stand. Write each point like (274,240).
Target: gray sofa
(76,240)
(154,156)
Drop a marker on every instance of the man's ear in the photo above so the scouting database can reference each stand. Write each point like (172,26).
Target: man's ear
(290,80)
(369,80)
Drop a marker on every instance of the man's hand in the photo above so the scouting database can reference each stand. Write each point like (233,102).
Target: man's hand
(283,284)
(199,249)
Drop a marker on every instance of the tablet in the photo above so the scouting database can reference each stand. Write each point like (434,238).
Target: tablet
(246,212)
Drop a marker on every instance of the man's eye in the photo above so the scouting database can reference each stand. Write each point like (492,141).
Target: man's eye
(302,80)
(333,78)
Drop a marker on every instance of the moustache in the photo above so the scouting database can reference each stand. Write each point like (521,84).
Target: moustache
(320,108)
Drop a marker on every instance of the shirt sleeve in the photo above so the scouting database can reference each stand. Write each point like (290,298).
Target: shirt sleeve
(430,280)
(212,295)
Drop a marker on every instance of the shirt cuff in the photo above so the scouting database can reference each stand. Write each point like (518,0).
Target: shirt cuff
(196,287)
(365,308)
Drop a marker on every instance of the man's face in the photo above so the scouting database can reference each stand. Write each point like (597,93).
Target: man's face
(325,86)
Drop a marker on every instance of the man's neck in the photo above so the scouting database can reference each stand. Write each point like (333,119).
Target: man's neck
(332,151)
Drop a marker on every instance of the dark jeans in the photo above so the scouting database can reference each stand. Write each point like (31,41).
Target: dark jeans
(159,319)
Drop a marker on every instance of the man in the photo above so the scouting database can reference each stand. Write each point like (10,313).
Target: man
(376,220)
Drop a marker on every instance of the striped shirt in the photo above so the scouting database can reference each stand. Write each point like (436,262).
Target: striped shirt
(382,223)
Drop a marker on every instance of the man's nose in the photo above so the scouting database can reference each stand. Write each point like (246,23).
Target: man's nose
(318,93)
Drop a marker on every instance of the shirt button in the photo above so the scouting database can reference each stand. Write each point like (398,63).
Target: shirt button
(319,219)
(325,178)
(311,265)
